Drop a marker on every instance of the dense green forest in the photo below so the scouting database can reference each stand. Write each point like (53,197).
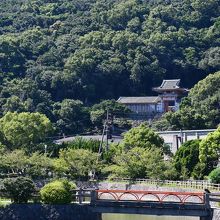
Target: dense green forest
(60,57)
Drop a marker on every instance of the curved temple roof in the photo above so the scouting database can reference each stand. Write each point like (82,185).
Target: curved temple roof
(170,85)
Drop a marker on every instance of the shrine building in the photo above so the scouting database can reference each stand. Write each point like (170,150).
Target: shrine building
(170,94)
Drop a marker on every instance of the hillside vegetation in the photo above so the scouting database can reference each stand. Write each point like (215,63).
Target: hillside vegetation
(58,57)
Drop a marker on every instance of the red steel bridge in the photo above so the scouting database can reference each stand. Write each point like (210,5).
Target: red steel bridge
(154,203)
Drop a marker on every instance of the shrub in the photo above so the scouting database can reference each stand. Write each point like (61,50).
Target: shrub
(19,189)
(82,143)
(57,192)
(214,176)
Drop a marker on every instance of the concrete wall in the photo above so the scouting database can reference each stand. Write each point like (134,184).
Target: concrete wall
(47,212)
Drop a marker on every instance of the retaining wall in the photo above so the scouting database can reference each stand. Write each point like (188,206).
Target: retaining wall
(47,212)
(55,212)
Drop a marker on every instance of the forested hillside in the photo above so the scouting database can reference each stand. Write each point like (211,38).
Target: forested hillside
(58,57)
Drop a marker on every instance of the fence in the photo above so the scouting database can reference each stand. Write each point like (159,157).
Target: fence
(194,184)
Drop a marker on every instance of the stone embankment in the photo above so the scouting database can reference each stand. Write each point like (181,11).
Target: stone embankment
(48,212)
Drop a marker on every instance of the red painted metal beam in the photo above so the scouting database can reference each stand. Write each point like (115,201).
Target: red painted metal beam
(160,196)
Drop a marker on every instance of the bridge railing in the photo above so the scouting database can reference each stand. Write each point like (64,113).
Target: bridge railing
(151,196)
(92,195)
(194,184)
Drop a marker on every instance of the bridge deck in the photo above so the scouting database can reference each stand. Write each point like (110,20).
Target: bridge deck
(159,203)
(150,208)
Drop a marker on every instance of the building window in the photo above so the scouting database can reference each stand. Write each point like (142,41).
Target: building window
(171,103)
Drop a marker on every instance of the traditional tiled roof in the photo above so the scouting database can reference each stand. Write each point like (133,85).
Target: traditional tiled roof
(170,84)
(139,100)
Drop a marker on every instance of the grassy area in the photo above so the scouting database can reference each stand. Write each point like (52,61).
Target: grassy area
(4,202)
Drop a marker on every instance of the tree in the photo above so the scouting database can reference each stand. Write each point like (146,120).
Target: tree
(211,59)
(25,95)
(39,166)
(72,116)
(13,104)
(205,90)
(209,150)
(143,137)
(15,162)
(138,163)
(33,42)
(24,130)
(187,158)
(77,163)
(186,118)
(20,189)
(121,13)
(98,112)
(162,124)
(214,176)
(131,164)
(18,162)
(156,166)
(11,57)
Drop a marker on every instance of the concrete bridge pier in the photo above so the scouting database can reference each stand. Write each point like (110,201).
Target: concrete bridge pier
(206,218)
(209,217)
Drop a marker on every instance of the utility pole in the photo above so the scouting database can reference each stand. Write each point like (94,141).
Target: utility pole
(107,129)
(104,131)
(103,134)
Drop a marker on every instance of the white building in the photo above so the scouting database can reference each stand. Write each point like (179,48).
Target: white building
(146,104)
